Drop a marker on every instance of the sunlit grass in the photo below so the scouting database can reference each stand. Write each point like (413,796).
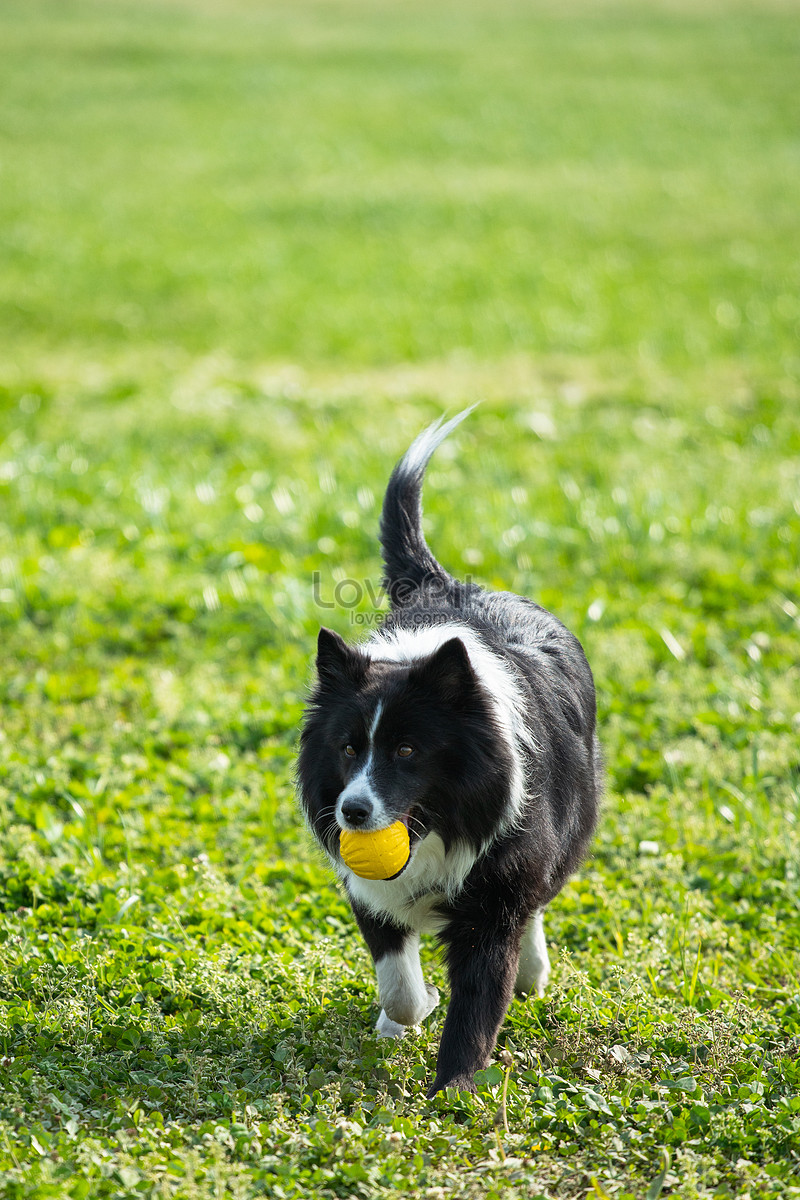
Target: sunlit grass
(177,960)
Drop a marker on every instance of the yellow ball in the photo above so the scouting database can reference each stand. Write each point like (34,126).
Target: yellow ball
(376,855)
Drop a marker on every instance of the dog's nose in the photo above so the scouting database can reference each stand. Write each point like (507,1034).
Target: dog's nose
(356,810)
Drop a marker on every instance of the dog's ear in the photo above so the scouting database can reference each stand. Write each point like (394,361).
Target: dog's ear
(447,671)
(337,662)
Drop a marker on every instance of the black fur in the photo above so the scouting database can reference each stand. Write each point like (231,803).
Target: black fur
(518,809)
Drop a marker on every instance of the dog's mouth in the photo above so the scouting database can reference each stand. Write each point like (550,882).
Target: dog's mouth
(414,823)
(412,819)
(363,860)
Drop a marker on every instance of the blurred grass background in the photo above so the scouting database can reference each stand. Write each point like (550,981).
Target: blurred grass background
(354,182)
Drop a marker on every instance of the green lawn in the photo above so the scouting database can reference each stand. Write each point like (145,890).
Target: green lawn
(373,181)
(247,251)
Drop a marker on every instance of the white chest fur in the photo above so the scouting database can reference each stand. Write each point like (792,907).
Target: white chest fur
(410,901)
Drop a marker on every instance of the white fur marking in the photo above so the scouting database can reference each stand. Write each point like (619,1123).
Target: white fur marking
(406,646)
(534,962)
(361,786)
(410,900)
(405,997)
(375,718)
(419,452)
(386,1028)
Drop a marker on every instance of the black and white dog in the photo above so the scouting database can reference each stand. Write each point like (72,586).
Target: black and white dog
(470,716)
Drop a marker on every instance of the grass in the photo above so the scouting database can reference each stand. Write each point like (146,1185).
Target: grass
(248,253)
(339,180)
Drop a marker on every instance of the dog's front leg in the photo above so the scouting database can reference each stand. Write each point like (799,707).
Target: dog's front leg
(405,997)
(534,962)
(482,973)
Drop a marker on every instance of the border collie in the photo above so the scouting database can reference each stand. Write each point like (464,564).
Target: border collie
(469,716)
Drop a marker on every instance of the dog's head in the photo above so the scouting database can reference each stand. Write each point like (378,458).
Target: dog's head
(413,741)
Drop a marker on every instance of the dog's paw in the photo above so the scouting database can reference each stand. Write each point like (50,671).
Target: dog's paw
(532,986)
(385,1027)
(458,1083)
(433,1000)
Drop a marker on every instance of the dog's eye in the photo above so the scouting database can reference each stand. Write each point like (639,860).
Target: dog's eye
(404,750)
(350,751)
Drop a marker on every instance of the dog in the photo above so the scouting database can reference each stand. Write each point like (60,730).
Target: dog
(469,716)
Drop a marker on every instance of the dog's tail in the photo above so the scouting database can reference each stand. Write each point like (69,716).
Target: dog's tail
(408,562)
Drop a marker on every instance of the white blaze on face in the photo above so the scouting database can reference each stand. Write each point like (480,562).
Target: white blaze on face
(376,716)
(361,787)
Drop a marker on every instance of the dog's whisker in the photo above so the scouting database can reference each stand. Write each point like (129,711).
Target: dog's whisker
(330,832)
